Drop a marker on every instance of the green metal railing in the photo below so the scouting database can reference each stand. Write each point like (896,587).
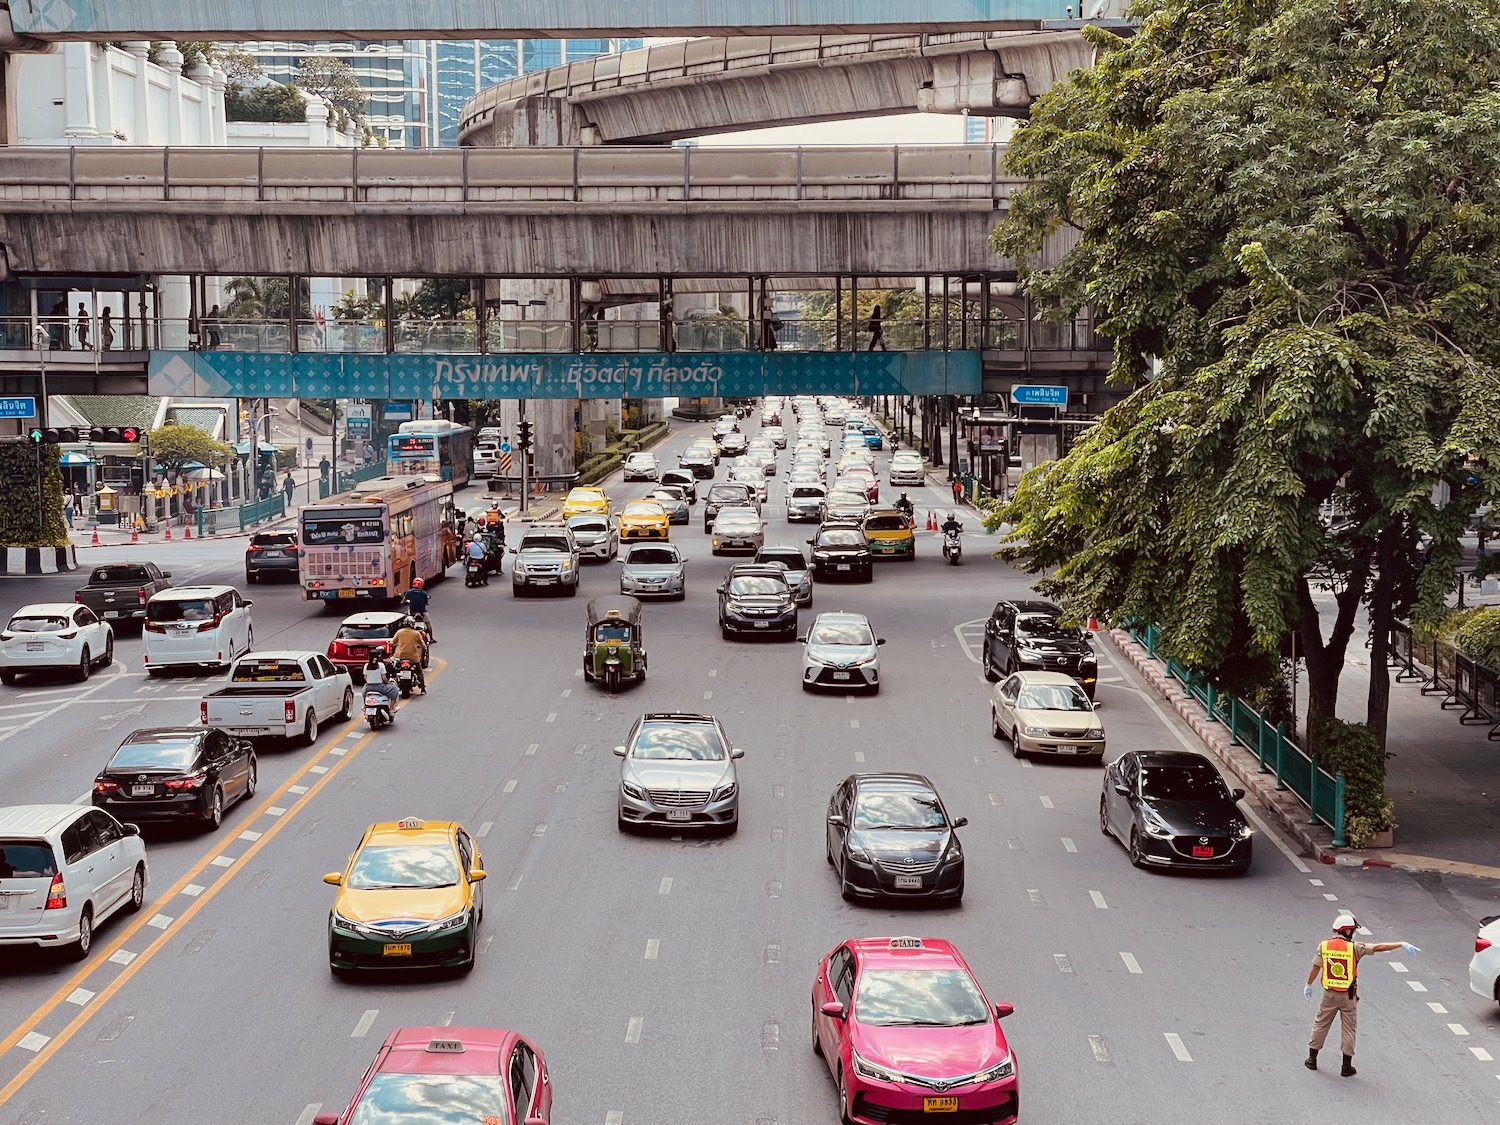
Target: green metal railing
(237,517)
(346,479)
(1296,772)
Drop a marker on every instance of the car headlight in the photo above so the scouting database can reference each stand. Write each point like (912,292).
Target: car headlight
(862,662)
(519,568)
(632,791)
(1035,732)
(1244,832)
(724,792)
(1156,826)
(859,855)
(1003,1069)
(349,926)
(866,1069)
(452,922)
(567,564)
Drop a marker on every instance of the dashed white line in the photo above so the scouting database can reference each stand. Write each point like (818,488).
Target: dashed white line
(708,695)
(222,861)
(249,834)
(567,692)
(316,769)
(1437,1008)
(653,947)
(1397,967)
(1131,964)
(531,750)
(1458,1029)
(633,1029)
(614,1117)
(1068,845)
(1025,764)
(997,800)
(859,755)
(33,1041)
(1178,1047)
(539,829)
(1316,882)
(1330,897)
(366,1021)
(80,996)
(1416,986)
(1035,896)
(515,884)
(193,890)
(160,921)
(1063,964)
(665,886)
(853,724)
(447,1020)
(1047,803)
(339,751)
(510,786)
(299,790)
(276,810)
(306,1116)
(1100,1049)
(1098,900)
(713,673)
(1481,1054)
(122,957)
(484,829)
(551,717)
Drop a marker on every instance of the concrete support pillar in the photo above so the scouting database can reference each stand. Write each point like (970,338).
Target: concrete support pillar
(78,92)
(140,133)
(218,80)
(203,76)
(317,123)
(540,122)
(524,315)
(171,62)
(104,90)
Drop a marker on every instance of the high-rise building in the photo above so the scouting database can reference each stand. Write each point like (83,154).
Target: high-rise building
(459,69)
(392,72)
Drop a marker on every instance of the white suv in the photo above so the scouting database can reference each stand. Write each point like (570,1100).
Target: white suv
(64,869)
(196,625)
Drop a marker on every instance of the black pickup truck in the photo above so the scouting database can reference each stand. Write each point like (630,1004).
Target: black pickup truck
(118,592)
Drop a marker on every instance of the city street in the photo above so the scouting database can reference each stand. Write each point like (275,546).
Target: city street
(667,977)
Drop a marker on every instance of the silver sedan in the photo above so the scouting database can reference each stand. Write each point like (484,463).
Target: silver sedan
(654,570)
(738,529)
(678,771)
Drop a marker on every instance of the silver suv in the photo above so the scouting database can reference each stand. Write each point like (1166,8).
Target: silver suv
(546,558)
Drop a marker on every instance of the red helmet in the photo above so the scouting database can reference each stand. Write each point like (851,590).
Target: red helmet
(417,583)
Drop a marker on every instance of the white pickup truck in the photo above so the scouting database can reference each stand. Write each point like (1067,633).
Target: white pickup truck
(279,695)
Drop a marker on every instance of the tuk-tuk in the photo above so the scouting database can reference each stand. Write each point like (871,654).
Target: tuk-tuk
(612,641)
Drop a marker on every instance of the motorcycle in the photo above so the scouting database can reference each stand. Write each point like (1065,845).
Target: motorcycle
(906,507)
(423,625)
(378,711)
(475,572)
(953,549)
(406,678)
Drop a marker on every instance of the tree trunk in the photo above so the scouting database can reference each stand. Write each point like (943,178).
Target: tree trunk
(1377,706)
(1325,660)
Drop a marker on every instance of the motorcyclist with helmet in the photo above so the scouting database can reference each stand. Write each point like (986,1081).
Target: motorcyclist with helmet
(951,526)
(477,552)
(415,599)
(408,643)
(905,506)
(378,674)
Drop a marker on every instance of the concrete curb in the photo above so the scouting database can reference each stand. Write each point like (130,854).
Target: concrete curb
(1288,812)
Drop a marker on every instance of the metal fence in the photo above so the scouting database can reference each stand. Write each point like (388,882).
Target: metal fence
(1295,770)
(346,479)
(237,517)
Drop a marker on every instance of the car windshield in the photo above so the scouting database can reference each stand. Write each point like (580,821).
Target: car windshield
(720,493)
(589,523)
(369,632)
(755,585)
(840,633)
(1054,697)
(792,560)
(268,672)
(176,754)
(663,742)
(897,808)
(544,543)
(886,523)
(737,517)
(612,633)
(653,556)
(643,508)
(808,490)
(919,998)
(666,496)
(841,539)
(109,574)
(386,866)
(274,539)
(1041,625)
(26,859)
(1178,783)
(47,624)
(433,1099)
(180,609)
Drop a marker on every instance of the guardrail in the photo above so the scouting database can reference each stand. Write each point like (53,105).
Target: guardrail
(237,517)
(1295,770)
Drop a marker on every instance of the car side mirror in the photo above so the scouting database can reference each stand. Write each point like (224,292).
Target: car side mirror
(810,542)
(719,589)
(833,1009)
(619,751)
(248,604)
(478,875)
(803,640)
(1122,790)
(334,878)
(166,574)
(1002,1010)
(736,752)
(837,820)
(1237,794)
(960,822)
(325,1119)
(880,640)
(131,829)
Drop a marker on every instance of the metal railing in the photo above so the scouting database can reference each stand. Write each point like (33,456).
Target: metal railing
(1295,770)
(237,517)
(346,480)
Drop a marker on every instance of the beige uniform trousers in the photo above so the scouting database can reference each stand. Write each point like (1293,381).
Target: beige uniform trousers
(1341,1004)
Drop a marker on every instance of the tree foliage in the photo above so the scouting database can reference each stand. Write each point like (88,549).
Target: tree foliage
(271,102)
(1286,217)
(266,298)
(331,78)
(177,444)
(31,513)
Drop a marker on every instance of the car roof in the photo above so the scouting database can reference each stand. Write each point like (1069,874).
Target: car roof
(47,609)
(1045,678)
(36,820)
(766,569)
(446,1050)
(192,592)
(164,734)
(655,545)
(1028,605)
(780,549)
(369,617)
(411,830)
(878,953)
(676,717)
(1179,759)
(845,617)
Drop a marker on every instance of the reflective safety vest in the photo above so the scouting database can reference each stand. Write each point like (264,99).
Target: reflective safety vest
(1338,964)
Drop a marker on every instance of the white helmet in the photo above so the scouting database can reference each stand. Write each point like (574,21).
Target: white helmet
(1345,922)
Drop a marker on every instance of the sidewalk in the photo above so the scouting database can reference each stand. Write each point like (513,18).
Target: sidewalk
(1444,777)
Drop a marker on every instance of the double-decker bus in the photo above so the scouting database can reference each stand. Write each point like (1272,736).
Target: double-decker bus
(368,545)
(431,448)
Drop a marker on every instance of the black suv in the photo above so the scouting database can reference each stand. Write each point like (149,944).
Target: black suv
(1025,634)
(755,598)
(727,495)
(841,551)
(271,552)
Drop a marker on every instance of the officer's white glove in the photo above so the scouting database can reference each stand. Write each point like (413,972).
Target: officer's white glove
(1408,947)
(1307,992)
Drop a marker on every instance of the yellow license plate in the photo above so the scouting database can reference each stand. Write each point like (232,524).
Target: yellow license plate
(940,1105)
(346,593)
(403,949)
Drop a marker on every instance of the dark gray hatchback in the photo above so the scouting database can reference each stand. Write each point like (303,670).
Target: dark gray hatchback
(271,552)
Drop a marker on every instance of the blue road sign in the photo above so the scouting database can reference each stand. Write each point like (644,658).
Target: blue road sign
(505,447)
(1039,396)
(20,407)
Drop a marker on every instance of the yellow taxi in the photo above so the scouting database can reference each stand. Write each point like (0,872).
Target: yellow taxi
(644,519)
(410,898)
(891,533)
(582,501)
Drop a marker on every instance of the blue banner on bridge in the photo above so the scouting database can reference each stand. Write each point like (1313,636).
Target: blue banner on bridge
(223,374)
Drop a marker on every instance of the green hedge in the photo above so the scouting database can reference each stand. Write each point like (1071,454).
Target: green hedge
(19,498)
(1478,636)
(1351,749)
(599,466)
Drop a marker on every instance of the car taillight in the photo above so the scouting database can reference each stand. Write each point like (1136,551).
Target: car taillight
(140,596)
(78,595)
(1481,944)
(253,548)
(336,648)
(290,711)
(154,627)
(57,894)
(210,626)
(203,711)
(102,786)
(192,781)
(67,636)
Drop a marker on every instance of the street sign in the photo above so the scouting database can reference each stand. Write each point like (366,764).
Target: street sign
(505,447)
(23,406)
(1039,396)
(505,462)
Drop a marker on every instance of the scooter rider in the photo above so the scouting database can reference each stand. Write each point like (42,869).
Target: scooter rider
(951,526)
(475,552)
(905,506)
(378,678)
(409,644)
(416,599)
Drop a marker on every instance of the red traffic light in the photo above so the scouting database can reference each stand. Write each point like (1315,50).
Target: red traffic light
(130,434)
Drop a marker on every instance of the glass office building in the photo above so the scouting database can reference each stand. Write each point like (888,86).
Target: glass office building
(392,72)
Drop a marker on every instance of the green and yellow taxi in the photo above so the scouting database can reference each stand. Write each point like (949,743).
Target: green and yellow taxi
(644,519)
(410,898)
(891,534)
(581,501)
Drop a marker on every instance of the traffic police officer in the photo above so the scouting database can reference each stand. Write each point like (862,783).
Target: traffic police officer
(1337,962)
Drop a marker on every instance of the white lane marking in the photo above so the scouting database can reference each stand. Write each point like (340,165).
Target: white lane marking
(510,786)
(1397,966)
(339,751)
(712,673)
(160,921)
(1131,964)
(853,724)
(578,672)
(100,685)
(33,1041)
(653,947)
(306,1116)
(1481,1054)
(633,1029)
(193,890)
(997,800)
(978,761)
(249,834)
(963,641)
(122,957)
(539,829)
(80,996)
(665,886)
(1098,900)
(531,750)
(1025,763)
(515,884)
(23,715)
(1434,1006)
(447,1020)
(1035,896)
(567,691)
(366,1021)
(1416,986)
(1101,1051)
(1063,964)
(1178,1048)
(1331,898)
(1363,932)
(318,769)
(484,829)
(1458,1029)
(551,717)
(1068,845)
(1047,803)
(222,861)
(708,695)
(859,755)
(1316,882)
(276,810)
(299,790)
(614,1117)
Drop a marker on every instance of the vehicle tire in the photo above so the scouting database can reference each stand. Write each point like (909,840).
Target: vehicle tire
(844,1118)
(347,712)
(621,825)
(85,665)
(1135,848)
(7,677)
(253,781)
(1015,744)
(806,686)
(995,731)
(249,639)
(1104,818)
(310,728)
(573,590)
(725,631)
(844,891)
(214,816)
(79,950)
(990,675)
(816,1043)
(154,673)
(137,897)
(874,689)
(109,652)
(733,826)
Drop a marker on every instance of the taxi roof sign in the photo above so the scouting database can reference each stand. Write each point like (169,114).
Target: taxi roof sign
(445,1047)
(413,822)
(904,943)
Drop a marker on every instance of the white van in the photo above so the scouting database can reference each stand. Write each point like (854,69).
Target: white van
(63,870)
(196,625)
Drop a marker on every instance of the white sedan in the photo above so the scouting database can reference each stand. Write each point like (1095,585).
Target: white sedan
(841,651)
(641,466)
(51,635)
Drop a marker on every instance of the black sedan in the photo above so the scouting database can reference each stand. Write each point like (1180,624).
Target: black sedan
(889,836)
(841,552)
(181,775)
(756,598)
(699,462)
(1172,809)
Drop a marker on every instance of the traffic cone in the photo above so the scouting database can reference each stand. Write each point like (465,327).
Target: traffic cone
(135,531)
(187,531)
(1093,625)
(168,537)
(95,542)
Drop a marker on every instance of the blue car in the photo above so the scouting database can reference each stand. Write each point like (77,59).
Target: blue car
(873,439)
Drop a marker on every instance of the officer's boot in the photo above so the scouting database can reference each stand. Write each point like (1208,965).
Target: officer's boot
(1311,1062)
(1348,1071)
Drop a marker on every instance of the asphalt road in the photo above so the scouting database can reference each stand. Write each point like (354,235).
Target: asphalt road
(668,978)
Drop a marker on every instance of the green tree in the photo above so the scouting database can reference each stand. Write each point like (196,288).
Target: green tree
(271,102)
(266,298)
(1286,217)
(176,444)
(441,298)
(330,77)
(31,514)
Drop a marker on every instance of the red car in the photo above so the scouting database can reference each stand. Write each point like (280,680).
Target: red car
(909,1036)
(867,480)
(469,1074)
(361,635)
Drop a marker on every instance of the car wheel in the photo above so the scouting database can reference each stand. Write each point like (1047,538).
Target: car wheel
(85,665)
(573,590)
(1015,743)
(109,653)
(215,814)
(725,632)
(621,824)
(1104,818)
(79,950)
(252,782)
(310,728)
(995,731)
(874,689)
(154,673)
(249,639)
(7,677)
(806,686)
(250,577)
(990,675)
(844,1117)
(816,1043)
(137,890)
(347,711)
(1135,848)
(844,892)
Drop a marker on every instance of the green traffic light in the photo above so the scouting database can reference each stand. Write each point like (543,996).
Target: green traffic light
(36,436)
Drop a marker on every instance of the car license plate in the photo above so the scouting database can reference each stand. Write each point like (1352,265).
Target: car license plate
(34,646)
(679,814)
(843,566)
(398,949)
(940,1105)
(111,613)
(1202,851)
(1067,749)
(908,882)
(545,581)
(841,675)
(346,593)
(762,624)
(651,585)
(246,732)
(142,790)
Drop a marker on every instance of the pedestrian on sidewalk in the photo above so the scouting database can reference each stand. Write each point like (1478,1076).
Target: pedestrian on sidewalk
(83,326)
(288,486)
(1336,962)
(324,468)
(68,509)
(958,490)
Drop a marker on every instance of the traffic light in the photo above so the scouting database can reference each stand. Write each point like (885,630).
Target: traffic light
(35,435)
(59,435)
(523,436)
(130,434)
(114,434)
